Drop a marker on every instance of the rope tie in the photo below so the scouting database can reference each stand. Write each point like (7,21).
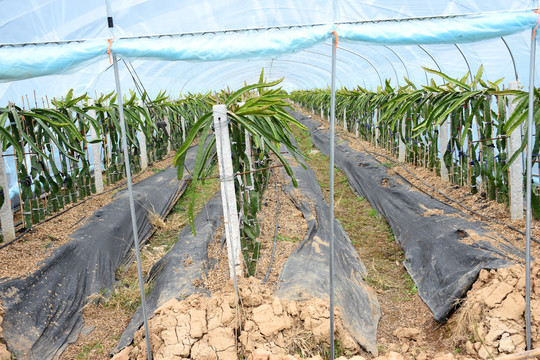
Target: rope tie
(538,22)
(109,50)
(337,38)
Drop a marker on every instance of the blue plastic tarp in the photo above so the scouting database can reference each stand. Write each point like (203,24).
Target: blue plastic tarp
(23,62)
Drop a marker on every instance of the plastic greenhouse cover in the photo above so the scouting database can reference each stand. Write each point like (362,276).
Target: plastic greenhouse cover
(38,60)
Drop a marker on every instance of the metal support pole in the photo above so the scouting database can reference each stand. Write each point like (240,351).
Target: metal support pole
(130,186)
(331,201)
(132,204)
(529,189)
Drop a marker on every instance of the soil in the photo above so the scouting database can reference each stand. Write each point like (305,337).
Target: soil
(406,329)
(292,229)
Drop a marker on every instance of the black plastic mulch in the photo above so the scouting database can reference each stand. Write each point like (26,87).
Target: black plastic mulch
(173,275)
(44,310)
(444,249)
(306,273)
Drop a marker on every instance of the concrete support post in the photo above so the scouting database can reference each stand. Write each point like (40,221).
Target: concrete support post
(96,152)
(443,140)
(402,146)
(377,128)
(183,124)
(142,144)
(345,119)
(228,195)
(516,168)
(322,114)
(6,216)
(169,135)
(356,124)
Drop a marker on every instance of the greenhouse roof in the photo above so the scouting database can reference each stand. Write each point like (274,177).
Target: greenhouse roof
(52,46)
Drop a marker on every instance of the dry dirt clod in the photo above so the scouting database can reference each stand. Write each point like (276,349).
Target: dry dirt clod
(408,334)
(207,328)
(493,313)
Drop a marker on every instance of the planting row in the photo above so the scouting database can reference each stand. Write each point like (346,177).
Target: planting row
(48,151)
(254,122)
(461,129)
(53,150)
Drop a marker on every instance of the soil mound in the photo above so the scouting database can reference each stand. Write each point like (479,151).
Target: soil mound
(201,327)
(492,318)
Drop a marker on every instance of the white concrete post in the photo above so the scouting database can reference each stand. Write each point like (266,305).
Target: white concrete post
(516,169)
(142,143)
(356,124)
(6,216)
(183,124)
(377,129)
(168,130)
(322,114)
(402,148)
(248,155)
(443,140)
(96,152)
(345,119)
(228,195)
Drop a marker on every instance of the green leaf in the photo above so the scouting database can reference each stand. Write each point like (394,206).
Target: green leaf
(448,78)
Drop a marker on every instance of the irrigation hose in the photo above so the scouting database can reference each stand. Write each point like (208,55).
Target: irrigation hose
(275,232)
(439,192)
(70,208)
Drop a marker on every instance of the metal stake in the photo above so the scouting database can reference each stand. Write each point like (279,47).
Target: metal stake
(130,189)
(528,196)
(331,201)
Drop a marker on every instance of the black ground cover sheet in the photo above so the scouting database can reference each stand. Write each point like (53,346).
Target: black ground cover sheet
(444,249)
(174,273)
(306,273)
(44,310)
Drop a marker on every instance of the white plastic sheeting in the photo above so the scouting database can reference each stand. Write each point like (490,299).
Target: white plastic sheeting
(383,43)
